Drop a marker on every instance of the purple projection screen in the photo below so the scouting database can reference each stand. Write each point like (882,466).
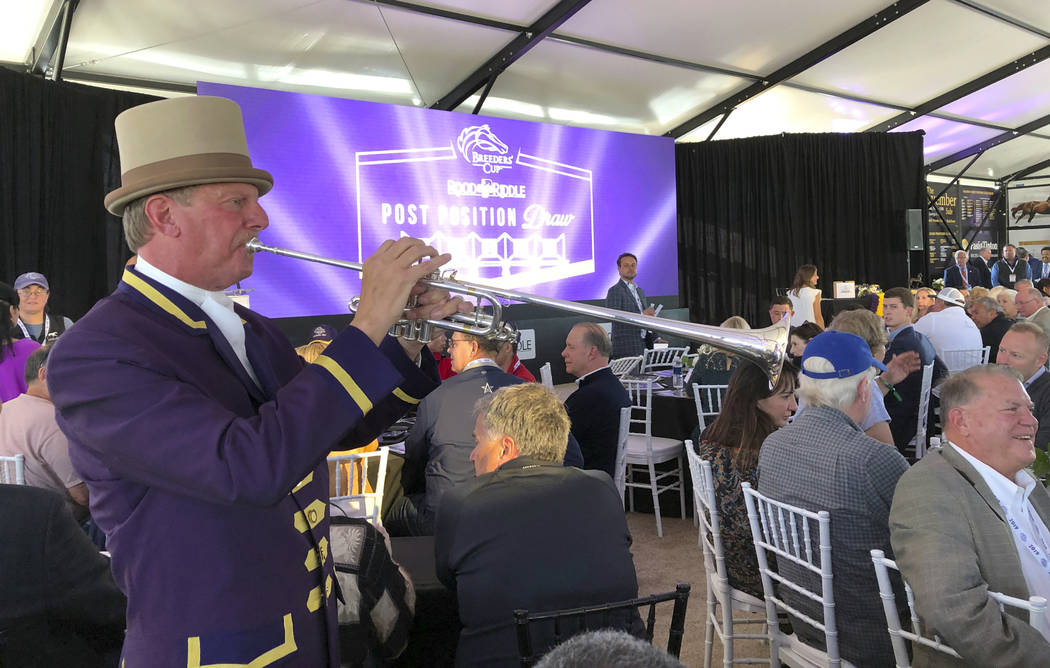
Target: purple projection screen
(533,207)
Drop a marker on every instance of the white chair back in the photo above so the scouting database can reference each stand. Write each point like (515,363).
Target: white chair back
(708,402)
(964,358)
(788,532)
(1035,606)
(985,352)
(663,358)
(545,376)
(641,409)
(919,440)
(621,450)
(719,591)
(13,470)
(621,366)
(644,451)
(898,636)
(351,472)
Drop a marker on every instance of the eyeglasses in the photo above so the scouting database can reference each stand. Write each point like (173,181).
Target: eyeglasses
(32,292)
(452,342)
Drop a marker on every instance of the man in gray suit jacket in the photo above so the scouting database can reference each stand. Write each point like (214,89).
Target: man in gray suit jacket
(951,525)
(626,295)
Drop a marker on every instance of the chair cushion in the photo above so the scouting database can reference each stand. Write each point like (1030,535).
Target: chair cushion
(664,449)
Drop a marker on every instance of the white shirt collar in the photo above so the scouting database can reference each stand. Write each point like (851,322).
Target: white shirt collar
(591,372)
(215,304)
(190,292)
(1010,493)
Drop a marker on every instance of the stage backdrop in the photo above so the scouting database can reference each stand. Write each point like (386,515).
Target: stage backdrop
(538,208)
(753,210)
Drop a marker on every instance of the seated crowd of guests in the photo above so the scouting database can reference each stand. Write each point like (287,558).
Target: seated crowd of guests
(516,485)
(946,518)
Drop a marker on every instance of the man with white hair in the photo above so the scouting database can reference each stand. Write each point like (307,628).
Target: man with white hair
(969,519)
(1029,302)
(948,327)
(823,461)
(959,274)
(528,532)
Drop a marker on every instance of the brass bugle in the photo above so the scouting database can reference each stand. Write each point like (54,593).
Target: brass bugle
(765,347)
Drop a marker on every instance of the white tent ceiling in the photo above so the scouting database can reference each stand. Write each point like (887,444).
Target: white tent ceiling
(966,71)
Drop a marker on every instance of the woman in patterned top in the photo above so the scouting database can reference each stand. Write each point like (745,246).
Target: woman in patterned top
(750,413)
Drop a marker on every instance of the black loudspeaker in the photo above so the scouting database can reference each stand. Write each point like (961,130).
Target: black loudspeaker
(913,222)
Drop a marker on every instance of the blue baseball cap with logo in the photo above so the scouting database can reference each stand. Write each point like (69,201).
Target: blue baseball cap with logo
(848,353)
(31,278)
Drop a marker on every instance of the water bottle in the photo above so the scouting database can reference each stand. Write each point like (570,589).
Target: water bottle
(676,379)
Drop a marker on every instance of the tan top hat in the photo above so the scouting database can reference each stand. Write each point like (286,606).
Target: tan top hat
(180,142)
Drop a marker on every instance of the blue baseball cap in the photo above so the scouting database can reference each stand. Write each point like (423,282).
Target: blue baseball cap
(31,278)
(848,353)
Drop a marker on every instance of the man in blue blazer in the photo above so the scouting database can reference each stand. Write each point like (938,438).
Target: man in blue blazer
(961,275)
(626,295)
(200,433)
(902,402)
(594,409)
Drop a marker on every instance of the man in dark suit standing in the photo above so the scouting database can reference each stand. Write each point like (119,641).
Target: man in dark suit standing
(959,275)
(628,296)
(902,403)
(594,409)
(983,266)
(987,314)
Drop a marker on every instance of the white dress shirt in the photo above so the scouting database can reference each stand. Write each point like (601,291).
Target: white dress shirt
(1013,495)
(215,304)
(950,329)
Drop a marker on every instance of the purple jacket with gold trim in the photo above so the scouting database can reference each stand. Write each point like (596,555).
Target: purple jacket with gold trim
(213,490)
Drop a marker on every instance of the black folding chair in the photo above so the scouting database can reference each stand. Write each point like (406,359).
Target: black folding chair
(581,620)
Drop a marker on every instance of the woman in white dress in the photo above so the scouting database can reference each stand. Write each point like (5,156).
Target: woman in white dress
(805,297)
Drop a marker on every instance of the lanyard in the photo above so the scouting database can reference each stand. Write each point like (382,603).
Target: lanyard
(43,332)
(1026,540)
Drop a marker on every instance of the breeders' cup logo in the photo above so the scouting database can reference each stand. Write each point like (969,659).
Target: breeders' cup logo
(480,147)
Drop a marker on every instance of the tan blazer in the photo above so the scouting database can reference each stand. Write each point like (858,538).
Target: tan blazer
(1041,318)
(953,546)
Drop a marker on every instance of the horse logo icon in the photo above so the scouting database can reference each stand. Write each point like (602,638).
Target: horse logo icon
(480,147)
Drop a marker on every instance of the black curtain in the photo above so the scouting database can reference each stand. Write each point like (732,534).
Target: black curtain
(751,211)
(59,160)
